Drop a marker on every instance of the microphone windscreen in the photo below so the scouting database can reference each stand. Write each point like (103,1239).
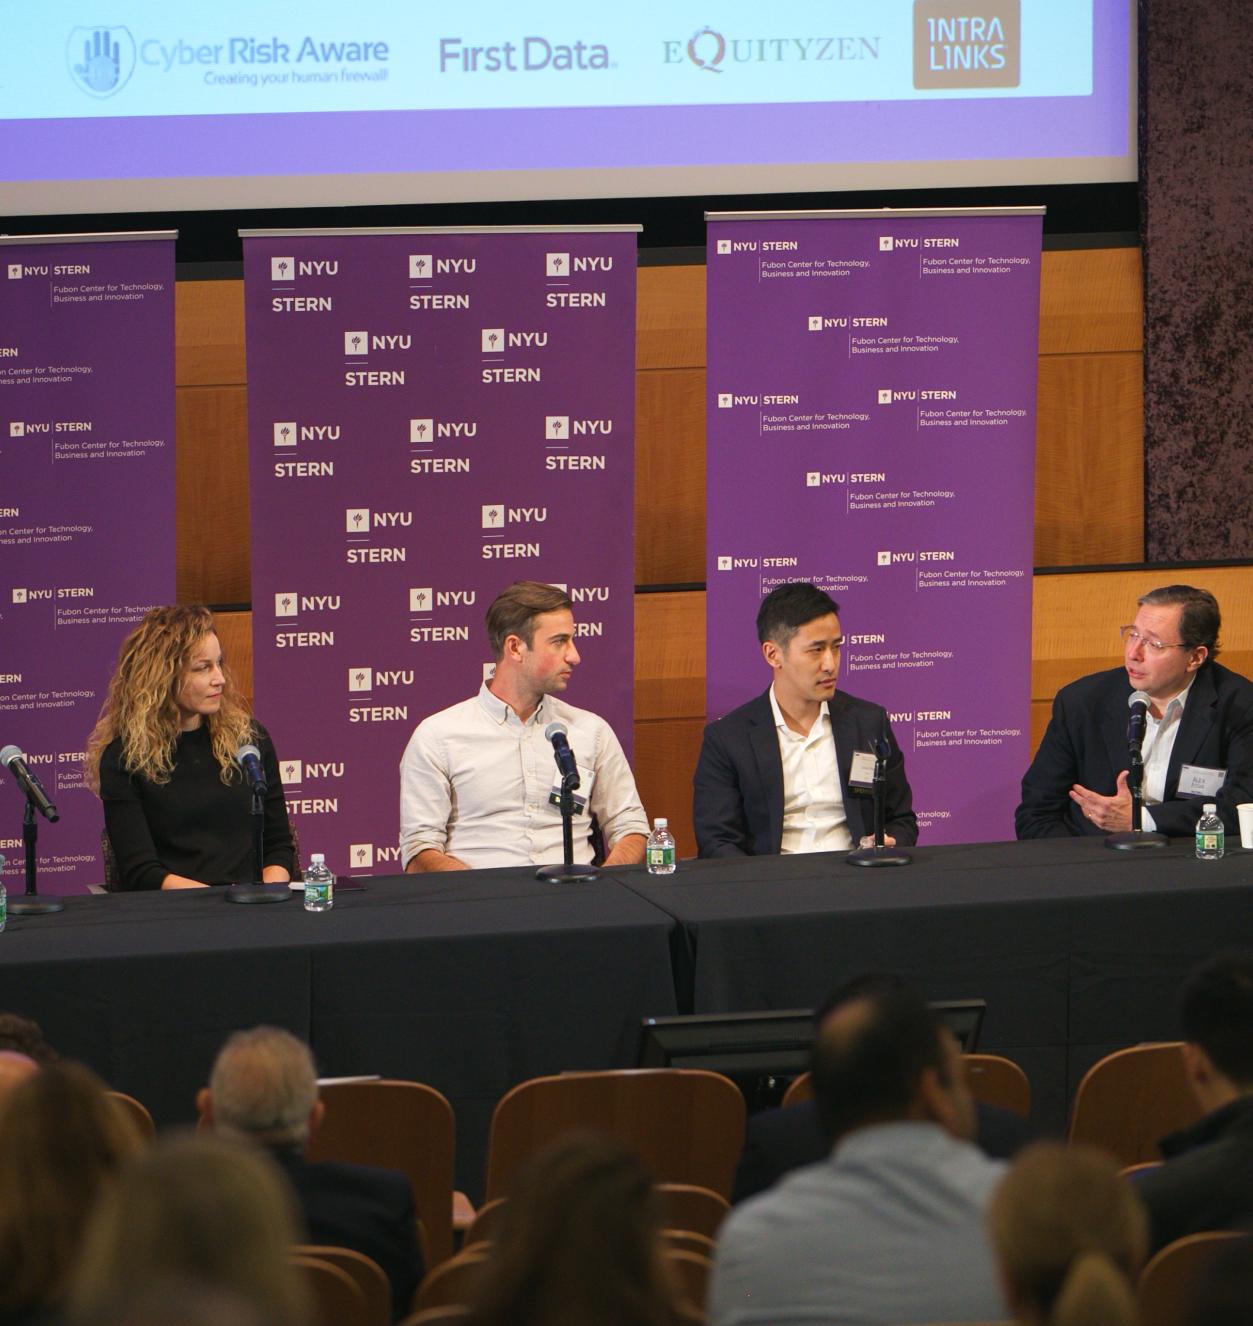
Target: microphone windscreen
(245,751)
(555,730)
(1139,697)
(11,753)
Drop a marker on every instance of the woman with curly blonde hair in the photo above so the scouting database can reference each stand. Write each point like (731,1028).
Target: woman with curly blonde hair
(177,807)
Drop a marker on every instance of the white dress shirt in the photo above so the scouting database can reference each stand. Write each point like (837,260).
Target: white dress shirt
(1159,742)
(475,783)
(813,802)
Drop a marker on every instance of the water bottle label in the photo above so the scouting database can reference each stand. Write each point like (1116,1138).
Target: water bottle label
(661,856)
(1208,842)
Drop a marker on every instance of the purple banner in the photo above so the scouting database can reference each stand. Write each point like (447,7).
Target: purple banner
(86,509)
(871,428)
(432,415)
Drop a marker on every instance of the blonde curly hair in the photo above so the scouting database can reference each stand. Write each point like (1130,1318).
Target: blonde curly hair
(141,707)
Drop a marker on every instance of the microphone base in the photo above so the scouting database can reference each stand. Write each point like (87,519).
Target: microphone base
(1134,840)
(564,874)
(878,856)
(31,904)
(257,892)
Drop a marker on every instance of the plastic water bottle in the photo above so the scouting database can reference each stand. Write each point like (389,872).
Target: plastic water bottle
(1210,834)
(4,897)
(319,885)
(659,854)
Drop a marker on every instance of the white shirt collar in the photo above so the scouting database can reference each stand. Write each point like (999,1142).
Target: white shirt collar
(782,724)
(500,712)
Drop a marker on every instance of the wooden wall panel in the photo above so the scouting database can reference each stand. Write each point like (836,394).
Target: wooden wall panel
(1091,300)
(670,317)
(665,755)
(670,477)
(208,333)
(669,656)
(212,495)
(1089,488)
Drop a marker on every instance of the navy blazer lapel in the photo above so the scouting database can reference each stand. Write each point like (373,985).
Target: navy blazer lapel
(764,741)
(1114,720)
(1194,727)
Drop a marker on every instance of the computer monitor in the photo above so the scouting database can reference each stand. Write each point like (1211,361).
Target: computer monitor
(763,1052)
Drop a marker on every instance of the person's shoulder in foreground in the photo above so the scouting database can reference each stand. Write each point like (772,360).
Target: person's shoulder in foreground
(802,729)
(889,1229)
(1188,719)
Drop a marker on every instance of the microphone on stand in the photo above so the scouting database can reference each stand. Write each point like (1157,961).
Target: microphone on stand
(1138,702)
(248,758)
(556,733)
(1137,724)
(14,760)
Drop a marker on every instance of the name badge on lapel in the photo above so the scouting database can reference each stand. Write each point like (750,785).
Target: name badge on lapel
(861,773)
(1197,781)
(586,778)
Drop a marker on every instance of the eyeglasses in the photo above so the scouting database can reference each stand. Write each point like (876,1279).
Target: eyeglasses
(1133,637)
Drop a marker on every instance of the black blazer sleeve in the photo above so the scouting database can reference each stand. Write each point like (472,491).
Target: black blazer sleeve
(277,842)
(1046,808)
(718,800)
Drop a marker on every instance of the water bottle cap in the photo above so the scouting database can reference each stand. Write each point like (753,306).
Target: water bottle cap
(317,859)
(660,822)
(1210,807)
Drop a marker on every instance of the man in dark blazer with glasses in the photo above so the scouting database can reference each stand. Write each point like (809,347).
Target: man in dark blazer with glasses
(1198,740)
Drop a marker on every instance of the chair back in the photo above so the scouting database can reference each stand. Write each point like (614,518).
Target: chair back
(687,1124)
(136,1112)
(691,1273)
(366,1274)
(688,1240)
(452,1314)
(1132,1098)
(485,1226)
(454,1281)
(336,1299)
(995,1080)
(799,1089)
(405,1126)
(689,1206)
(1169,1280)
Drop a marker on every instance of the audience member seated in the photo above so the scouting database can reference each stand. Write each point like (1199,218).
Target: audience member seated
(62,1141)
(1070,1237)
(206,1209)
(889,1228)
(1207,1180)
(579,1243)
(264,1087)
(777,1141)
(176,1301)
(25,1036)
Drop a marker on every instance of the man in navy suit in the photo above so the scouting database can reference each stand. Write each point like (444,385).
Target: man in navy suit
(264,1087)
(1198,740)
(778,773)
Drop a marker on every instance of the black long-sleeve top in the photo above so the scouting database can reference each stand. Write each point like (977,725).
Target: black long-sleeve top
(194,825)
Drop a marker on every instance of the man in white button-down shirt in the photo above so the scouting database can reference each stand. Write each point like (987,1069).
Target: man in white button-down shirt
(1198,743)
(478,781)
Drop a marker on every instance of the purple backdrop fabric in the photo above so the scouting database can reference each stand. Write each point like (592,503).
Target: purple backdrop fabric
(432,415)
(86,510)
(871,427)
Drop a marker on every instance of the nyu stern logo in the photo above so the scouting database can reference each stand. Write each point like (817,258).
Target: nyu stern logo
(100,59)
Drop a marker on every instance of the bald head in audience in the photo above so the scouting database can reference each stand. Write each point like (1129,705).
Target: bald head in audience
(264,1086)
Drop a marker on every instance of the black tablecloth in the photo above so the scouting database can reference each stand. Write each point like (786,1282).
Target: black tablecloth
(1076,948)
(474,982)
(470,982)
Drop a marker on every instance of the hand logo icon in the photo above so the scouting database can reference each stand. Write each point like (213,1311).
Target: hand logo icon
(101,59)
